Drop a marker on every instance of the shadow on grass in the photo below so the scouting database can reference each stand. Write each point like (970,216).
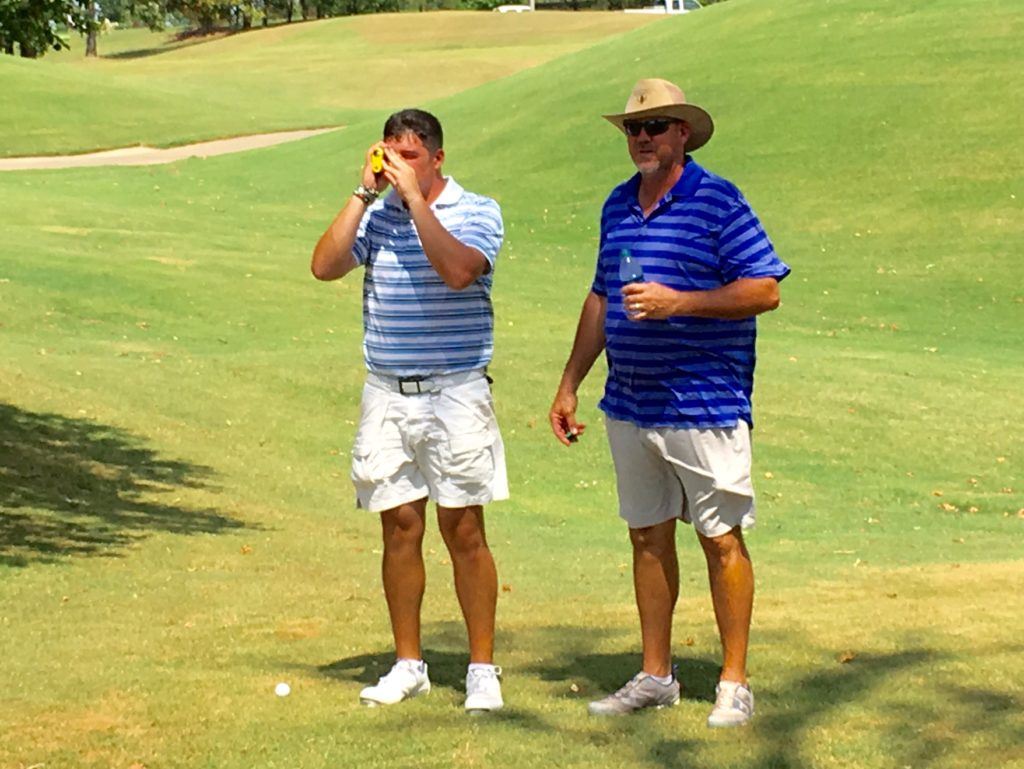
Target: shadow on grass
(88,489)
(812,699)
(991,718)
(599,674)
(792,717)
(145,53)
(191,38)
(447,671)
(447,668)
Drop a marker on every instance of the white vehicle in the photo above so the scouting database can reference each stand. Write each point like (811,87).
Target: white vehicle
(513,8)
(669,6)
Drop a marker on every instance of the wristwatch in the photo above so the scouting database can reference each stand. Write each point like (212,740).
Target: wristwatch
(365,194)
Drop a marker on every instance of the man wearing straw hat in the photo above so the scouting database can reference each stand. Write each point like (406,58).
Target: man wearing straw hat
(683,268)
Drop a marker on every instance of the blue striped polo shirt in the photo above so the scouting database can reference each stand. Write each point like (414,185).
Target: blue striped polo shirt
(681,372)
(414,324)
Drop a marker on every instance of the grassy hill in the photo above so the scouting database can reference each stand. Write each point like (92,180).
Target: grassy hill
(179,398)
(292,76)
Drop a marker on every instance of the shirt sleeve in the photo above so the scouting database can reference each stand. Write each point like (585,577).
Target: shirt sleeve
(361,247)
(744,249)
(484,230)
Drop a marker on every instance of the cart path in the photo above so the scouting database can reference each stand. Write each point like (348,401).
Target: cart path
(149,156)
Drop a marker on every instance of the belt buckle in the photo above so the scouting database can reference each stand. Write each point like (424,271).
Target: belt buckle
(415,385)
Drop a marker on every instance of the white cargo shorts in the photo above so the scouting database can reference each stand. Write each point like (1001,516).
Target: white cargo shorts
(699,475)
(436,438)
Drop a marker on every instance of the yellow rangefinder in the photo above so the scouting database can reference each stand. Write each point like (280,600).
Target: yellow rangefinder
(377,160)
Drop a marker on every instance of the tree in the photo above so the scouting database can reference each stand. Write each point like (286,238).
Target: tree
(34,25)
(89,24)
(284,8)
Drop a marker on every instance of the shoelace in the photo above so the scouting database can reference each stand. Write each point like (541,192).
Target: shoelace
(729,698)
(397,671)
(628,688)
(478,676)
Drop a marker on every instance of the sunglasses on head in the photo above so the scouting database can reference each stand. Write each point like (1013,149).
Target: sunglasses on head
(654,127)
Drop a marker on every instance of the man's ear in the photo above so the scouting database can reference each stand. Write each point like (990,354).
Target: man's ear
(439,157)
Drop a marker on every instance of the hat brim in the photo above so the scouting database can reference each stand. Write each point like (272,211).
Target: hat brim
(700,122)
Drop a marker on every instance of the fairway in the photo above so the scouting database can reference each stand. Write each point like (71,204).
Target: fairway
(178,397)
(329,73)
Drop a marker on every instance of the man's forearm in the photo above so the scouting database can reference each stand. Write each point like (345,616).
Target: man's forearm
(456,263)
(332,256)
(743,298)
(588,343)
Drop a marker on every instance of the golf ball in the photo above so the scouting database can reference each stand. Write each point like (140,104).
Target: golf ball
(282,689)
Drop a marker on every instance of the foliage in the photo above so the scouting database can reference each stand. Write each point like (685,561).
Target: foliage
(39,21)
(153,14)
(32,26)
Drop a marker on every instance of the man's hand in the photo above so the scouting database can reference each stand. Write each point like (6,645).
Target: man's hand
(563,418)
(402,177)
(371,180)
(652,301)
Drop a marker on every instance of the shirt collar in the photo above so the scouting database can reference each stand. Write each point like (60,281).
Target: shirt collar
(684,188)
(450,195)
(689,181)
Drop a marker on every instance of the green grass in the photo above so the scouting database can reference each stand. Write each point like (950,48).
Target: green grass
(307,75)
(179,398)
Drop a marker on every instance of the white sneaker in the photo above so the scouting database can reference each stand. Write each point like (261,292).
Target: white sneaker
(483,690)
(405,680)
(734,704)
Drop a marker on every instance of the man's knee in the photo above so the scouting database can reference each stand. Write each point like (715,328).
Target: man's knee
(462,530)
(657,541)
(726,548)
(403,525)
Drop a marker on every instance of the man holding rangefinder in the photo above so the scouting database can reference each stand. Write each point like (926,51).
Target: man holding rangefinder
(427,427)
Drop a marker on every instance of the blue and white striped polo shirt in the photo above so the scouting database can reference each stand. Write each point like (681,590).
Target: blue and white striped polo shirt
(681,372)
(413,323)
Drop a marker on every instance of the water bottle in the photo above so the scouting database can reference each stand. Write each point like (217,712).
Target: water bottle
(630,270)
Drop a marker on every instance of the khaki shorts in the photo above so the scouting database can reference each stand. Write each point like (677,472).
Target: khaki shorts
(443,443)
(701,476)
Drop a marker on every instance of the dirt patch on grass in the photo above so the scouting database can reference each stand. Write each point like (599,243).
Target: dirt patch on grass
(66,728)
(297,630)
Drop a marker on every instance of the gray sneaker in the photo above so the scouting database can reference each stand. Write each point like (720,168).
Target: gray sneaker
(641,691)
(734,704)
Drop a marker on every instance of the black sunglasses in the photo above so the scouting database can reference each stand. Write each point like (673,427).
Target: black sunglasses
(654,127)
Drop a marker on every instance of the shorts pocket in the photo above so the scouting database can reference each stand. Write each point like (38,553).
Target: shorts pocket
(469,458)
(378,451)
(464,434)
(369,464)
(726,454)
(376,461)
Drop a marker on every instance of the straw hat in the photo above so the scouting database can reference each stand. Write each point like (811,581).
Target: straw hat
(659,98)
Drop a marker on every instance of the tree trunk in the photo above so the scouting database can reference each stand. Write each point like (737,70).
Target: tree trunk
(94,25)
